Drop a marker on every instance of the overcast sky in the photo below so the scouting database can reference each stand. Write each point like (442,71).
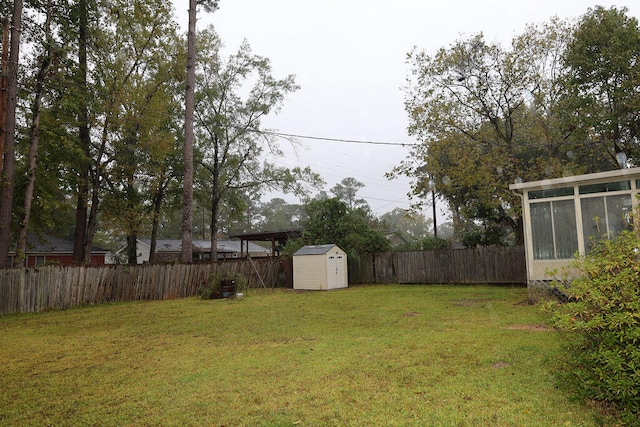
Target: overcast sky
(349,57)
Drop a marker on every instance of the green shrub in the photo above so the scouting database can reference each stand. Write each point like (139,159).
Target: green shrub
(602,321)
(432,243)
(213,288)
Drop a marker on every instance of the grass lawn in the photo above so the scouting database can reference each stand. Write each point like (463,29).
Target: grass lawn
(367,355)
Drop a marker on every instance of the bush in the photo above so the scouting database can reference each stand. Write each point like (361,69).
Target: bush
(213,288)
(432,243)
(602,319)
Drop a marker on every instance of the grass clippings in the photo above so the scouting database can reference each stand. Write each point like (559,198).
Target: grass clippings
(363,356)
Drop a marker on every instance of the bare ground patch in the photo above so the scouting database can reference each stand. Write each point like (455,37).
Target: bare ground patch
(528,328)
(469,302)
(500,365)
(411,314)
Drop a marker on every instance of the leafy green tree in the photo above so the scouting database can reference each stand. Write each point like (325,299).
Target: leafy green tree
(418,229)
(277,214)
(601,84)
(410,223)
(232,96)
(331,221)
(48,123)
(347,190)
(45,59)
(138,134)
(487,116)
(239,212)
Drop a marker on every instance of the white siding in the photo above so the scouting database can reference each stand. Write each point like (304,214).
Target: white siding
(310,272)
(143,252)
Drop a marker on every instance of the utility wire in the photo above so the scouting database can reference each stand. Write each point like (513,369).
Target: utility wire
(352,141)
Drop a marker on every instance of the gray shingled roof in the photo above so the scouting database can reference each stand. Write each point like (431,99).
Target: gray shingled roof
(314,250)
(51,244)
(169,245)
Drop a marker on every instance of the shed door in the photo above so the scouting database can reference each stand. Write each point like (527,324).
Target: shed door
(335,273)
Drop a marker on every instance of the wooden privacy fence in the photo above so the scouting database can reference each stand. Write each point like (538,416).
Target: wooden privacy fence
(28,290)
(506,265)
(36,289)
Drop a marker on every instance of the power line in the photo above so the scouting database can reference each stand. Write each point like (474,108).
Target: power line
(352,141)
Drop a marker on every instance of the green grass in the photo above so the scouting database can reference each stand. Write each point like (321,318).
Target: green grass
(367,355)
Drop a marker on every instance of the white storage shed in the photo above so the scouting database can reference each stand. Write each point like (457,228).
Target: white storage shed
(320,267)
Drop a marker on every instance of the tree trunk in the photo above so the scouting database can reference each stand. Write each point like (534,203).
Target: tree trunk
(157,206)
(93,216)
(215,202)
(43,71)
(7,183)
(3,85)
(80,234)
(132,248)
(187,193)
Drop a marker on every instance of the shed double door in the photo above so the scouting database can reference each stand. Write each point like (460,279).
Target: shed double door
(335,272)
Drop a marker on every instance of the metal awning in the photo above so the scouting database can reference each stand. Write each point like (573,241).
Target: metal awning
(274,237)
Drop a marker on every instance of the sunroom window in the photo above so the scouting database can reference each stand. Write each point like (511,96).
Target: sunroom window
(604,216)
(553,228)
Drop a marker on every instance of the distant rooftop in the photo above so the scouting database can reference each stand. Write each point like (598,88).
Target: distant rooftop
(174,245)
(52,244)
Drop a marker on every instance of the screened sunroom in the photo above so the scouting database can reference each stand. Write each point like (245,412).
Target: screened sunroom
(563,216)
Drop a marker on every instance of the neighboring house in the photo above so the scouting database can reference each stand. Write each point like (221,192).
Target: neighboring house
(171,250)
(563,216)
(397,238)
(49,250)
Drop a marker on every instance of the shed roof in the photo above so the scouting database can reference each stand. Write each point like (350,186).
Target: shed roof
(314,249)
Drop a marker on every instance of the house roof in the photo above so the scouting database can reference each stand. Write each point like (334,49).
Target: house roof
(314,249)
(396,237)
(52,244)
(234,246)
(174,245)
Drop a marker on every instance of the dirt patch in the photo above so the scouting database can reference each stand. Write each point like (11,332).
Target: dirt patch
(528,328)
(468,302)
(500,365)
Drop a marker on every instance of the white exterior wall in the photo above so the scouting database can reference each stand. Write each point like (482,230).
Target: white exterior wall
(143,252)
(310,272)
